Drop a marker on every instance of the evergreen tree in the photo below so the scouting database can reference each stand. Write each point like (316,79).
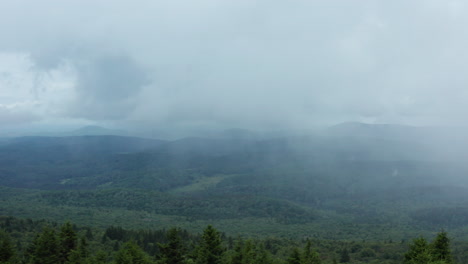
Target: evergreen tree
(68,241)
(131,253)
(262,257)
(344,256)
(294,257)
(249,252)
(210,250)
(99,258)
(238,256)
(173,252)
(76,258)
(440,248)
(7,250)
(310,256)
(80,254)
(418,253)
(45,248)
(83,248)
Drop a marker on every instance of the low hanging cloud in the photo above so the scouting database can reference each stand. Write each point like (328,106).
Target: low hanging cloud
(9,116)
(262,64)
(107,88)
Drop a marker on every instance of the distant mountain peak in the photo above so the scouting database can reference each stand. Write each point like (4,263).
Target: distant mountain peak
(91,127)
(372,130)
(360,125)
(95,130)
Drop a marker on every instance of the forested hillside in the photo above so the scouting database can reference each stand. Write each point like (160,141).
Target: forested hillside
(28,241)
(365,185)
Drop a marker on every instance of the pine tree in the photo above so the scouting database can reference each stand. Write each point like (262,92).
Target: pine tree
(418,253)
(238,256)
(263,257)
(80,254)
(210,250)
(68,241)
(173,252)
(310,256)
(294,257)
(7,250)
(99,258)
(131,253)
(249,252)
(440,248)
(344,256)
(45,248)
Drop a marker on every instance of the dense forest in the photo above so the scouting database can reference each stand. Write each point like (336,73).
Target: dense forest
(28,241)
(335,198)
(372,186)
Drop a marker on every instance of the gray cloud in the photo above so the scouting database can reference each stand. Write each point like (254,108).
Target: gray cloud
(106,88)
(12,117)
(250,63)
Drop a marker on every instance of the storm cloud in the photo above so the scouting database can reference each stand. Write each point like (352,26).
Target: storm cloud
(106,88)
(251,64)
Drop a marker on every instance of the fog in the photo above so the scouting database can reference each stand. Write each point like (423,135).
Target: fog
(261,65)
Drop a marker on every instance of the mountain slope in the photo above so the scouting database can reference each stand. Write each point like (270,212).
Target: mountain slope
(356,180)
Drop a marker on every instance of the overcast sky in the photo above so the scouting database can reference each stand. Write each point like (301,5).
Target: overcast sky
(256,64)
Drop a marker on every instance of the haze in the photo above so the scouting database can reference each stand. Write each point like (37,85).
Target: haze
(210,64)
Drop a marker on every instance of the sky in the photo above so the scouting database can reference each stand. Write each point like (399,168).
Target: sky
(216,64)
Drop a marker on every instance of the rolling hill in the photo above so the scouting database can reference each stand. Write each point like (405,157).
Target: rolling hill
(350,180)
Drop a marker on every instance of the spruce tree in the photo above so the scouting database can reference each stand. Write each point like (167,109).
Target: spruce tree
(80,254)
(294,257)
(67,240)
(238,256)
(99,258)
(418,253)
(310,256)
(7,250)
(249,252)
(210,250)
(344,256)
(440,248)
(173,252)
(262,256)
(45,248)
(131,253)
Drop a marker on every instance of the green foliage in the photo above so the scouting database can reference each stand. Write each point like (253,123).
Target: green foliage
(249,252)
(178,246)
(210,250)
(131,253)
(80,254)
(262,256)
(344,256)
(238,256)
(99,258)
(367,253)
(68,241)
(294,257)
(420,252)
(310,256)
(46,248)
(172,252)
(440,248)
(293,181)
(7,250)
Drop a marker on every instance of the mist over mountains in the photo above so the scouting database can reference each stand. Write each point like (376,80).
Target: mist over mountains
(362,174)
(343,122)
